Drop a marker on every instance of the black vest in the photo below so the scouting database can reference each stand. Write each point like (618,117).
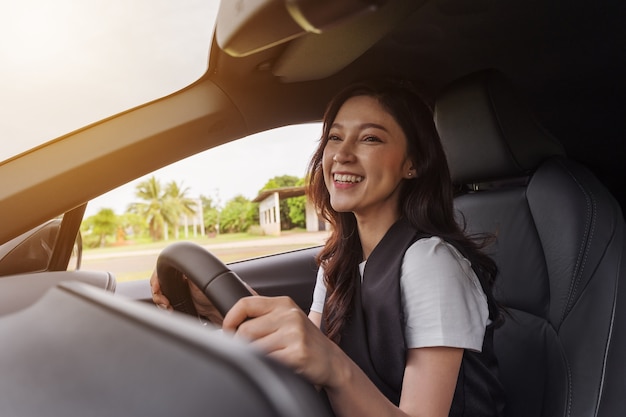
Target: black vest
(373,336)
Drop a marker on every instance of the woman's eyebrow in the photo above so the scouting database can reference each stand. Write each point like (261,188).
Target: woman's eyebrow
(362,126)
(374,126)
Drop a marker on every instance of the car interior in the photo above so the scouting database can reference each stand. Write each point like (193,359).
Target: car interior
(528,99)
(559,246)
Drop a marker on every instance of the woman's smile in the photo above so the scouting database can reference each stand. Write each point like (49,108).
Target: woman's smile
(346,180)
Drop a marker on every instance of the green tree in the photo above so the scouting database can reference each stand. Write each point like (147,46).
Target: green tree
(297,211)
(210,213)
(101,225)
(134,225)
(297,208)
(238,215)
(281,181)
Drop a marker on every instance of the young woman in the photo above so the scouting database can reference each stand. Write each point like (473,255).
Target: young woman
(403,297)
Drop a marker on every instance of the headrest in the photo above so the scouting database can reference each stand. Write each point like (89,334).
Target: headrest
(487,132)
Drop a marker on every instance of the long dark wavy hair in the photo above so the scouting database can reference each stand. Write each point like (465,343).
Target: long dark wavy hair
(426,200)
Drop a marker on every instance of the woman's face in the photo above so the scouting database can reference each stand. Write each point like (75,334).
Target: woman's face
(365,160)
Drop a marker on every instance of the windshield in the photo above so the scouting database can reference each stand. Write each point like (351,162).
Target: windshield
(69,63)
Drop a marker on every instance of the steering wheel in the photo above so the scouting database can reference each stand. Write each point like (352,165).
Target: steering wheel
(221,286)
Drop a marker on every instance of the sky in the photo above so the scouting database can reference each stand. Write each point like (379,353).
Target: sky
(69,63)
(240,167)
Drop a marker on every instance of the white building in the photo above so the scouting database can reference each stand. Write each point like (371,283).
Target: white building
(269,210)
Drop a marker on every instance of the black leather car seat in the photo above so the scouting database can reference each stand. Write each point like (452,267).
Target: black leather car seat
(559,244)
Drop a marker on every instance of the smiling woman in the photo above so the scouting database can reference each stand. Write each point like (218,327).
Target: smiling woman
(69,63)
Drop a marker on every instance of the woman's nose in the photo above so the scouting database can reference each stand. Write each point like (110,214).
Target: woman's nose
(344,153)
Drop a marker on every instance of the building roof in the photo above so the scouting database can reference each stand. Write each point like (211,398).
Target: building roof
(283,192)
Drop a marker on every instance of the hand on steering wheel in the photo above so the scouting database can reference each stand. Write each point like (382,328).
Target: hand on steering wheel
(206,310)
(185,260)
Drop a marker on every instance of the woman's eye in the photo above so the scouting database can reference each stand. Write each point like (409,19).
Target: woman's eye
(371,139)
(333,138)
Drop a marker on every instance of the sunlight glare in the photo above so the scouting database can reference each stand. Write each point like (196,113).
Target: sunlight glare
(68,63)
(38,32)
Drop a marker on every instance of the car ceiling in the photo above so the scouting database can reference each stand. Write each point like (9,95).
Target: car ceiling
(566,57)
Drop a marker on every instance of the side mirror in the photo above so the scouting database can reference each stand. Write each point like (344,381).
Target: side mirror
(32,251)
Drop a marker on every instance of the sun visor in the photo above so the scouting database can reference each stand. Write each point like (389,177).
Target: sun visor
(246,27)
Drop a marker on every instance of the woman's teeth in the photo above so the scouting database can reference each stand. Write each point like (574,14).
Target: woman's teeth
(347,178)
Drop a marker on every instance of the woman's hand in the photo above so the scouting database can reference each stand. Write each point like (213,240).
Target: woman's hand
(203,306)
(279,327)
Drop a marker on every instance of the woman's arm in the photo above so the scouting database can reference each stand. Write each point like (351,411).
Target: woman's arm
(316,318)
(279,327)
(430,379)
(427,390)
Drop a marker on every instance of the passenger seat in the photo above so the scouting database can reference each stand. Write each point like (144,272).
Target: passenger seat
(559,245)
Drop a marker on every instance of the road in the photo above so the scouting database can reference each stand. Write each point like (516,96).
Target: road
(138,264)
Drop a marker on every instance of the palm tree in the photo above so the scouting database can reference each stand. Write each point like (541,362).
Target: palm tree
(178,204)
(162,207)
(152,208)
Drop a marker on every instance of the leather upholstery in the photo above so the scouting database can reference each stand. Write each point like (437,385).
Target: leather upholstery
(474,116)
(559,245)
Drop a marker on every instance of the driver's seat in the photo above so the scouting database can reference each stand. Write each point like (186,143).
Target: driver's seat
(559,244)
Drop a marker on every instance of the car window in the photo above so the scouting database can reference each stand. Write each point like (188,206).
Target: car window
(67,64)
(241,200)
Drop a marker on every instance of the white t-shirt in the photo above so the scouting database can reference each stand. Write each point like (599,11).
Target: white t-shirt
(442,299)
